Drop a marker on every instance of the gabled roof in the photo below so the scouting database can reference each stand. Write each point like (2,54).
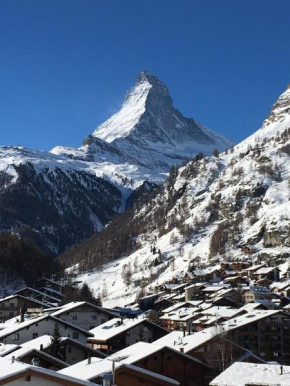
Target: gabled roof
(75,305)
(19,370)
(116,326)
(129,355)
(22,352)
(265,270)
(242,373)
(22,325)
(45,340)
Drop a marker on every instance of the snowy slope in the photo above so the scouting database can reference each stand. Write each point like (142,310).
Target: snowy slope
(207,211)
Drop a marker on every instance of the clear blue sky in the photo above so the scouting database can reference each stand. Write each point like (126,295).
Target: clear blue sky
(65,65)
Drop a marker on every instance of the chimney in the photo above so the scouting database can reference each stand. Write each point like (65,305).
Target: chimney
(89,359)
(281,370)
(41,347)
(183,331)
(181,349)
(21,315)
(13,359)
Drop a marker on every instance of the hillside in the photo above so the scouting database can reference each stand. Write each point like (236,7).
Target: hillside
(62,197)
(205,211)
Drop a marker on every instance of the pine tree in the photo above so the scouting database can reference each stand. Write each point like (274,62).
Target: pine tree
(55,348)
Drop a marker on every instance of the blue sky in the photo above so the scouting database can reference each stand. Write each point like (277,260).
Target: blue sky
(65,66)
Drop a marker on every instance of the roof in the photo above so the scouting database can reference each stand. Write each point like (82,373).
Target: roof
(20,326)
(21,352)
(129,355)
(265,270)
(148,373)
(9,369)
(45,341)
(74,305)
(116,326)
(242,373)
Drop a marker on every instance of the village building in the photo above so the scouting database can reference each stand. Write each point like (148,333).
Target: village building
(72,351)
(82,314)
(130,375)
(165,361)
(117,334)
(16,373)
(15,305)
(270,273)
(44,325)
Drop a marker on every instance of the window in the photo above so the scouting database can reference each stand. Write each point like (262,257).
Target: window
(15,336)
(11,314)
(69,349)
(34,335)
(94,317)
(91,327)
(11,305)
(75,335)
(74,317)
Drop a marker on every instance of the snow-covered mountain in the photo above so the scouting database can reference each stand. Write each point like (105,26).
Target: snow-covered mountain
(149,133)
(62,197)
(205,211)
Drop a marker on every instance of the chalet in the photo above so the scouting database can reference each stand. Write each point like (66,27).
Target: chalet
(117,334)
(263,332)
(19,333)
(207,346)
(270,273)
(45,283)
(16,373)
(165,361)
(192,292)
(28,355)
(147,302)
(251,270)
(180,319)
(254,293)
(15,305)
(46,298)
(72,351)
(82,314)
(130,375)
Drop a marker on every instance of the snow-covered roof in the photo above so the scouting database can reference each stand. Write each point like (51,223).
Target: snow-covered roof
(7,348)
(9,369)
(242,373)
(265,270)
(193,303)
(129,355)
(20,326)
(116,326)
(74,305)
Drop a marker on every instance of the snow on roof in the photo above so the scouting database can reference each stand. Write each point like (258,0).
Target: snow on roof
(73,305)
(264,270)
(242,373)
(175,306)
(226,312)
(7,348)
(129,355)
(19,326)
(115,327)
(36,343)
(8,369)
(254,267)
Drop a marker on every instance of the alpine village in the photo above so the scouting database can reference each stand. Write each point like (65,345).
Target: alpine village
(156,254)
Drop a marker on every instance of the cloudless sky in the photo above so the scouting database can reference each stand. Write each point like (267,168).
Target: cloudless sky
(65,65)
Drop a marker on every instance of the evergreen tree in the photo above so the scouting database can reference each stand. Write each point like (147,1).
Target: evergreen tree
(55,348)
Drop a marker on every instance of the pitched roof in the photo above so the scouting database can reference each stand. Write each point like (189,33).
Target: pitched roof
(242,373)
